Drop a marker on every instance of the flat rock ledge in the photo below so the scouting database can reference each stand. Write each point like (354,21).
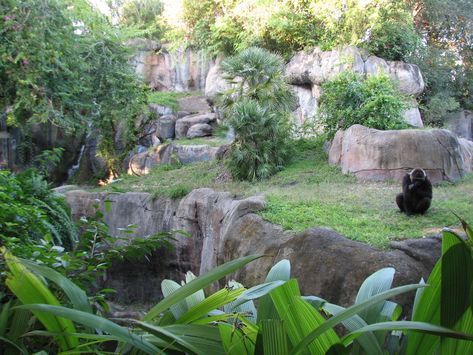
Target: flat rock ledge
(372,154)
(224,227)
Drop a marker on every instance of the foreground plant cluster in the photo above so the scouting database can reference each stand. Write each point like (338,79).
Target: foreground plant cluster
(228,321)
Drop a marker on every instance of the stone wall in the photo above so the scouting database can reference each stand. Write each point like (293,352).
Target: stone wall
(223,227)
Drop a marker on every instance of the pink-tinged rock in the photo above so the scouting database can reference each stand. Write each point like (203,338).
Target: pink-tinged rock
(372,154)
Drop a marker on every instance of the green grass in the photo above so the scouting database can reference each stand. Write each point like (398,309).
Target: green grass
(310,193)
(169,98)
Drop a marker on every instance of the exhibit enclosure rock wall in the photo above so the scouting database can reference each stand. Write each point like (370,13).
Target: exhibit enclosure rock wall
(223,227)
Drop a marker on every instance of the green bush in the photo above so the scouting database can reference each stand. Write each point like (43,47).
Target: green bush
(393,40)
(258,108)
(438,107)
(350,99)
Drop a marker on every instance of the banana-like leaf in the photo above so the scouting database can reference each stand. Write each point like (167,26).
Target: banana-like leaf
(374,284)
(300,318)
(368,340)
(258,291)
(274,337)
(195,298)
(76,295)
(279,272)
(214,301)
(412,326)
(168,287)
(349,312)
(198,284)
(238,338)
(30,289)
(93,321)
(248,309)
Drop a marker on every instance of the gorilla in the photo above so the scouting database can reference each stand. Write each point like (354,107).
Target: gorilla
(416,193)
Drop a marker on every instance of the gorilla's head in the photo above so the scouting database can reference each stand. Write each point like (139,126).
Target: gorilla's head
(417,174)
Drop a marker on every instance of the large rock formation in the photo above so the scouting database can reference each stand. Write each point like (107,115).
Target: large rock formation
(142,163)
(179,70)
(307,71)
(382,155)
(224,228)
(461,123)
(183,124)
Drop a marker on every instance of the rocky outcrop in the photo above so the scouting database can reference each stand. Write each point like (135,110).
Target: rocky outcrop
(317,66)
(223,228)
(142,163)
(466,151)
(183,124)
(307,71)
(383,155)
(461,123)
(179,70)
(193,104)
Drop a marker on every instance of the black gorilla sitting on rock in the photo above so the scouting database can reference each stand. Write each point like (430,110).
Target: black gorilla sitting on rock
(416,193)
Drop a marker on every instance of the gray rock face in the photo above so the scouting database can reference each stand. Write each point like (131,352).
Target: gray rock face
(183,124)
(142,163)
(160,110)
(384,155)
(194,104)
(306,103)
(412,116)
(316,66)
(466,151)
(199,130)
(215,83)
(165,127)
(461,123)
(224,228)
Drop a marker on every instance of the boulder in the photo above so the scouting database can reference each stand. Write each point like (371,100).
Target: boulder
(199,130)
(316,66)
(466,151)
(306,103)
(224,228)
(193,104)
(160,110)
(215,83)
(183,124)
(165,127)
(412,116)
(142,163)
(383,155)
(461,123)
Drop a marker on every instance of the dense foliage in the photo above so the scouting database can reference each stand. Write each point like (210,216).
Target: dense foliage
(350,99)
(228,321)
(257,108)
(62,63)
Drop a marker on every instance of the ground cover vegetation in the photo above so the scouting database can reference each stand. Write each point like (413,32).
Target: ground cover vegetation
(228,321)
(309,192)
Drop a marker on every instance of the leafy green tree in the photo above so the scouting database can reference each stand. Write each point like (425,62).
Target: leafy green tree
(258,108)
(350,99)
(62,63)
(144,15)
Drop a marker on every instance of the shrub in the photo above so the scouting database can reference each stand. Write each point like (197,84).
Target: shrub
(258,108)
(437,108)
(349,99)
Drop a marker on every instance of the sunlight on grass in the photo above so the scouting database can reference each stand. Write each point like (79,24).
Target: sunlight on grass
(311,193)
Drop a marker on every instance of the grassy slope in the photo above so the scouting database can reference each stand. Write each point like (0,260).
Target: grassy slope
(311,193)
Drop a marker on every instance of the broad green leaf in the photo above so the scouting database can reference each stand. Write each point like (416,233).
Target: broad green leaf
(456,346)
(30,289)
(368,340)
(427,309)
(412,326)
(236,339)
(196,297)
(279,272)
(258,291)
(300,318)
(179,308)
(457,277)
(76,295)
(274,337)
(198,284)
(214,301)
(349,312)
(248,308)
(96,322)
